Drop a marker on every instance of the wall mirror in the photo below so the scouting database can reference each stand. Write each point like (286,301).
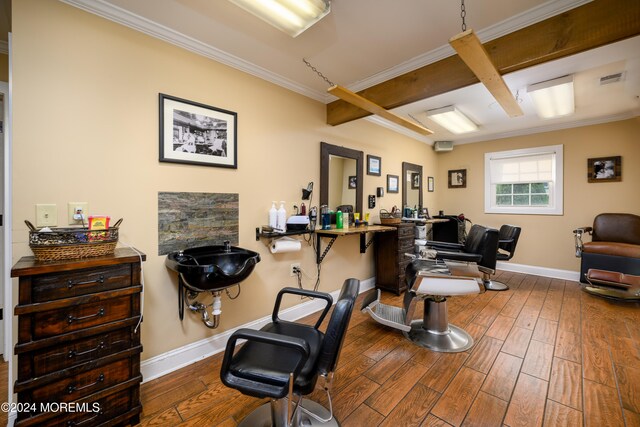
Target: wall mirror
(411,185)
(341,173)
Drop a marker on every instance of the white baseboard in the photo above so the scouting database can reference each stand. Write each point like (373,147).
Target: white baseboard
(179,358)
(539,271)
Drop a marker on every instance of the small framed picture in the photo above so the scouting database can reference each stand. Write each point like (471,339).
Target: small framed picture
(430,184)
(392,183)
(604,169)
(197,134)
(353,182)
(415,181)
(458,178)
(374,165)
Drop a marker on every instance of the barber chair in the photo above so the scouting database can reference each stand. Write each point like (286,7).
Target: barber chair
(614,245)
(283,360)
(480,247)
(507,240)
(434,281)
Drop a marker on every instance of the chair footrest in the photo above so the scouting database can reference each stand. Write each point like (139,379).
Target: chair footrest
(388,315)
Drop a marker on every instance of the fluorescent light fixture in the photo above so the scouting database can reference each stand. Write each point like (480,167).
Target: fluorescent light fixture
(452,119)
(553,98)
(290,16)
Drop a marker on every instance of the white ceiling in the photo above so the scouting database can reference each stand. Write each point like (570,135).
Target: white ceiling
(364,42)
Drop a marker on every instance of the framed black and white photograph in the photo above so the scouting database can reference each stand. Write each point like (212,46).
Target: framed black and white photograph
(374,165)
(197,134)
(353,182)
(415,181)
(430,184)
(392,183)
(604,169)
(458,178)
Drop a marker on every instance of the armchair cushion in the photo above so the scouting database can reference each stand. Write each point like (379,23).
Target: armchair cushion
(612,248)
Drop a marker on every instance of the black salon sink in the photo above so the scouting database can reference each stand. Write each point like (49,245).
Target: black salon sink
(212,268)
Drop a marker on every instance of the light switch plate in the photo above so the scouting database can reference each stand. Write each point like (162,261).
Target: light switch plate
(46,215)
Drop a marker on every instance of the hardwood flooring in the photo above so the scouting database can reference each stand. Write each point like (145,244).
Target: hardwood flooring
(546,353)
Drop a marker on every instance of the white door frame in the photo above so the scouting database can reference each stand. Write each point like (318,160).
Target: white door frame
(6,243)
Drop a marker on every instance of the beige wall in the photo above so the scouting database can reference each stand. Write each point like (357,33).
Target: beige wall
(86,129)
(547,240)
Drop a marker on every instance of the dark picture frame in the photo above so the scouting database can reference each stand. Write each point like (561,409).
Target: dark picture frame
(457,178)
(604,169)
(415,181)
(353,182)
(374,165)
(197,134)
(430,184)
(393,183)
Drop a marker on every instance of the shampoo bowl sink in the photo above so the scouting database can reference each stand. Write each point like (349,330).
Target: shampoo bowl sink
(212,268)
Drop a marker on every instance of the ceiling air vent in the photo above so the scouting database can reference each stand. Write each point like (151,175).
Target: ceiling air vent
(612,78)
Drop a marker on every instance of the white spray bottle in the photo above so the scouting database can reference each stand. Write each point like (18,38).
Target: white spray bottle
(273,216)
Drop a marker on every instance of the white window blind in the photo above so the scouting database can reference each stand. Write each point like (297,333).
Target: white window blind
(527,181)
(513,170)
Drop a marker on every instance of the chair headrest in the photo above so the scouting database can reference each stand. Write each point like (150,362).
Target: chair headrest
(616,227)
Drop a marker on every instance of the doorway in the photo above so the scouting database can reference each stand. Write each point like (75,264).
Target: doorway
(5,258)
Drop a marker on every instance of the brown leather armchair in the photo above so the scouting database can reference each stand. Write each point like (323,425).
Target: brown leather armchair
(614,245)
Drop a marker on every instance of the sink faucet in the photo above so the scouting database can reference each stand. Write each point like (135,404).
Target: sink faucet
(227,246)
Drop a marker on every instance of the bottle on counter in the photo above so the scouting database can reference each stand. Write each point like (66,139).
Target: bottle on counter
(273,216)
(282,217)
(339,224)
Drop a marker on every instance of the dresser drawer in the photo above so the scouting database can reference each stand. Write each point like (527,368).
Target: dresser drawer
(82,384)
(69,319)
(49,287)
(81,351)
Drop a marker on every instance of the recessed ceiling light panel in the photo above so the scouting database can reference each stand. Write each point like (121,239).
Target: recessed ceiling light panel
(291,16)
(452,119)
(553,98)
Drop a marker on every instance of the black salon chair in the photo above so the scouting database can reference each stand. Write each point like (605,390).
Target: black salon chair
(507,241)
(477,248)
(283,360)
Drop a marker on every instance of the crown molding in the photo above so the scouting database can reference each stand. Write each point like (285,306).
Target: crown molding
(399,129)
(154,29)
(121,16)
(4,47)
(550,127)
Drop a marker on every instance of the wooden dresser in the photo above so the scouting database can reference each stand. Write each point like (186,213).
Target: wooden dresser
(390,259)
(78,350)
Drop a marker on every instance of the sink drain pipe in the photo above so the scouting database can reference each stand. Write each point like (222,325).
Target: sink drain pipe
(211,320)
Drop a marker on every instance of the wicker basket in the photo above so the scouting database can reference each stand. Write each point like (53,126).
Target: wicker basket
(67,243)
(389,218)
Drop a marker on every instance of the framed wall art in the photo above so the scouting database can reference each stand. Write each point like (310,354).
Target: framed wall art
(392,183)
(457,178)
(374,165)
(604,169)
(197,134)
(430,184)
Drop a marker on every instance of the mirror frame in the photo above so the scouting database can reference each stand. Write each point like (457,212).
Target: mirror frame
(406,167)
(327,150)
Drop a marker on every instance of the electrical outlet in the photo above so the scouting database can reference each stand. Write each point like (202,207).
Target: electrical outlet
(46,215)
(292,269)
(74,210)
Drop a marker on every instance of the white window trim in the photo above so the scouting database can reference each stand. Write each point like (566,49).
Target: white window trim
(557,199)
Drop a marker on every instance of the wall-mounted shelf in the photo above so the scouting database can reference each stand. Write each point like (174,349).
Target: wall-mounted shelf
(334,233)
(274,235)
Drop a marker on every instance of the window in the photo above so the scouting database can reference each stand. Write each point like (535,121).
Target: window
(525,181)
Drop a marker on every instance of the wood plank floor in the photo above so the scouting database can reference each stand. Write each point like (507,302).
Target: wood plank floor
(546,353)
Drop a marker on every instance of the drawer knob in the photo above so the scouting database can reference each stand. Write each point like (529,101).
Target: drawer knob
(71,318)
(73,388)
(71,283)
